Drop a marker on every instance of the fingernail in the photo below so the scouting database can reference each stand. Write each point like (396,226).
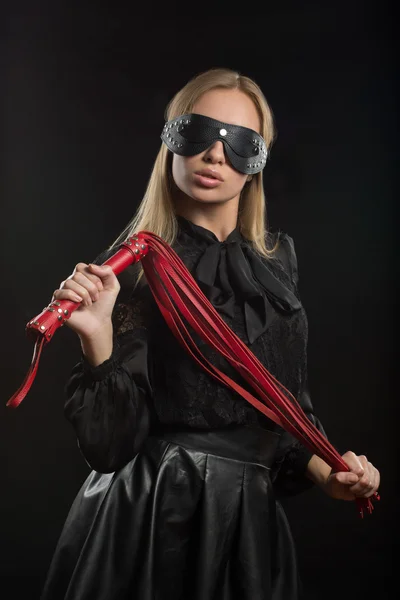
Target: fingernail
(78,298)
(353,478)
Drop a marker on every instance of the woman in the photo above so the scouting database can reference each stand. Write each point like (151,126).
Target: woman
(182,501)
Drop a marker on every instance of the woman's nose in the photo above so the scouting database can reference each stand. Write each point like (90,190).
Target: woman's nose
(215,153)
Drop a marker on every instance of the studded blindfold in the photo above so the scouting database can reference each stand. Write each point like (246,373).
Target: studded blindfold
(191,134)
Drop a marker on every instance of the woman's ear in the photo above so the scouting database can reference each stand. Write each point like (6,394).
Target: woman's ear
(249,178)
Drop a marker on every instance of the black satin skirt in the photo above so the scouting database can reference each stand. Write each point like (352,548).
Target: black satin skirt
(192,517)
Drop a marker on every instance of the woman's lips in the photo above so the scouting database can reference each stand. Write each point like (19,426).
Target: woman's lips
(209,182)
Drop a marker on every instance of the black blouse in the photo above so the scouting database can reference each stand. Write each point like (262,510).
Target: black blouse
(150,381)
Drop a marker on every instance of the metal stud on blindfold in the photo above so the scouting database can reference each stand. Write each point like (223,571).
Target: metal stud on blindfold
(191,134)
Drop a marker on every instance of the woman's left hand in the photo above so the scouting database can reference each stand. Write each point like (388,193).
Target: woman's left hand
(362,481)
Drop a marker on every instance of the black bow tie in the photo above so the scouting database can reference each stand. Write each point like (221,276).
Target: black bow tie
(231,271)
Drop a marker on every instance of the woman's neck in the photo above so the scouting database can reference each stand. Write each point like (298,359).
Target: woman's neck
(221,219)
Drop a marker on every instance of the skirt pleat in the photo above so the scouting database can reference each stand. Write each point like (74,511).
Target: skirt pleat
(185,519)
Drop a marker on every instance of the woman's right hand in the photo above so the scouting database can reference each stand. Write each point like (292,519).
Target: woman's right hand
(97,288)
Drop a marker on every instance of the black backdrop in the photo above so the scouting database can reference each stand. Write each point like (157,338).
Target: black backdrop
(83,96)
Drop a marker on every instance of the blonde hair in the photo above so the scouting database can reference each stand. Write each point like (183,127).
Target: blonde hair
(156,210)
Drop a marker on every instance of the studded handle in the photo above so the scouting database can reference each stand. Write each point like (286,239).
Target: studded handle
(45,324)
(58,312)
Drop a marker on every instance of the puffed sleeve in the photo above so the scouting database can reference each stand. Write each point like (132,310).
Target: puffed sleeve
(110,405)
(292,457)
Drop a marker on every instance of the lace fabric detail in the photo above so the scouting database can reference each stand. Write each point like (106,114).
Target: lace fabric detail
(128,317)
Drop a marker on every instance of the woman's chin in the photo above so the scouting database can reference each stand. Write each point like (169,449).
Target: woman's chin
(204,195)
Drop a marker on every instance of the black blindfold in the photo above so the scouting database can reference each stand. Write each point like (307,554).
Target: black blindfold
(191,134)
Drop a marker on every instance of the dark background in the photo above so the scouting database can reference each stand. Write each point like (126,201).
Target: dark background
(83,93)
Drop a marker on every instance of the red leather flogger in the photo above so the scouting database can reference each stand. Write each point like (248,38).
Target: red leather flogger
(178,295)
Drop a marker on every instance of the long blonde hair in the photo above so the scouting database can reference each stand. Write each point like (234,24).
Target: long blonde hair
(156,210)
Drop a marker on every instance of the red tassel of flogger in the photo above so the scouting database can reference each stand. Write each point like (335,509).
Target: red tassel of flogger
(177,294)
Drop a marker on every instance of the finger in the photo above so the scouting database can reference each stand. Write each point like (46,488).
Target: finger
(369,472)
(107,276)
(364,461)
(73,294)
(85,269)
(362,487)
(346,477)
(377,478)
(82,280)
(366,480)
(362,490)
(66,294)
(374,479)
(365,487)
(354,463)
(71,284)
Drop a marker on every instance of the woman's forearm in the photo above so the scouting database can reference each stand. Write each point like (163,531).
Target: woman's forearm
(318,470)
(98,348)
